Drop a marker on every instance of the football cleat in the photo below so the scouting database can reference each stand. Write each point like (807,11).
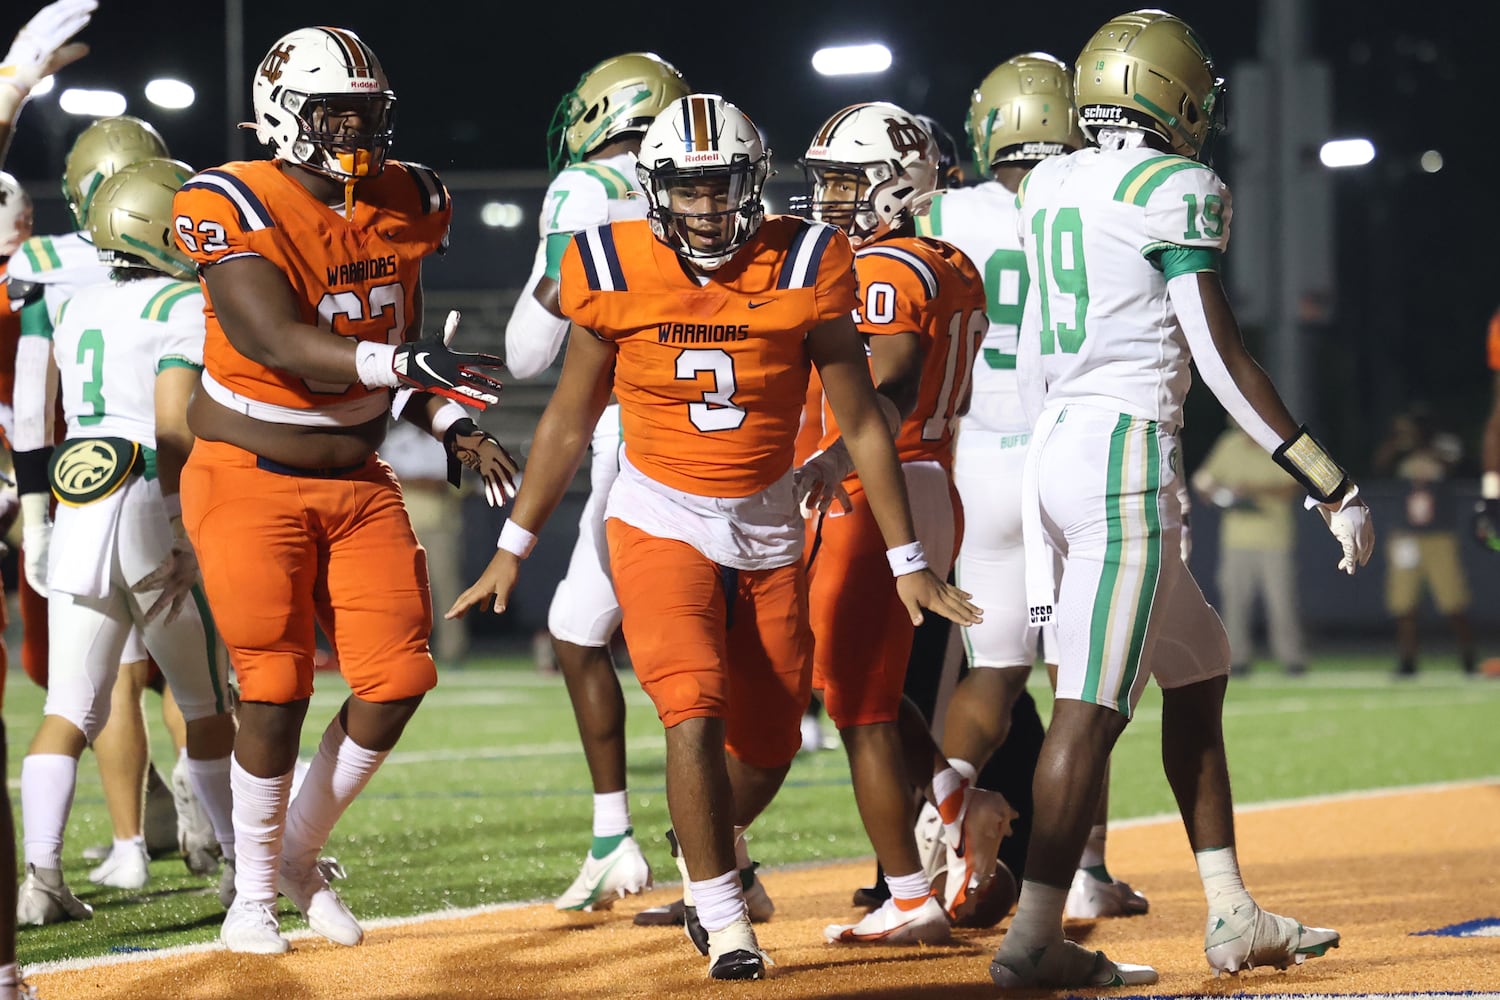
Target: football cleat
(733,953)
(1248,937)
(252,928)
(623,871)
(1064,965)
(890,924)
(1090,899)
(127,867)
(44,898)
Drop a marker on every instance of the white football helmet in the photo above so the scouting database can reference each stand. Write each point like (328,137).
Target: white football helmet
(15,215)
(697,141)
(313,75)
(869,169)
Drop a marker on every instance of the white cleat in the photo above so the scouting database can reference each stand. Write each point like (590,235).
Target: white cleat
(930,847)
(324,910)
(195,832)
(127,867)
(44,898)
(1090,899)
(252,928)
(622,872)
(1064,965)
(927,924)
(734,953)
(1249,937)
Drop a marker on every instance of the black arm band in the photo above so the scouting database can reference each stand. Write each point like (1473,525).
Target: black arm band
(31,471)
(1307,461)
(463,425)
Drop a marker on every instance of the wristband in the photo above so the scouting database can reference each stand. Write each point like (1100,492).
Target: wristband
(447,415)
(908,558)
(374,364)
(1489,486)
(173,502)
(1309,464)
(516,540)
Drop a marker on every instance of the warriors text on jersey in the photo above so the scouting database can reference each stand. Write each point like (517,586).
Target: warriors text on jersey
(1104,230)
(929,288)
(711,377)
(357,278)
(981,221)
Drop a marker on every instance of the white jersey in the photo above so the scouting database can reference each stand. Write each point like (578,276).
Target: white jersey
(1100,229)
(582,196)
(60,264)
(110,342)
(981,221)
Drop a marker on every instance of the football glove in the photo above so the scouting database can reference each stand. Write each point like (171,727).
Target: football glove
(36,538)
(429,365)
(1348,519)
(470,446)
(1487,524)
(39,50)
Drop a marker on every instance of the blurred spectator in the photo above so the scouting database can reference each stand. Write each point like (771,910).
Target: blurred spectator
(1257,500)
(437,517)
(1422,553)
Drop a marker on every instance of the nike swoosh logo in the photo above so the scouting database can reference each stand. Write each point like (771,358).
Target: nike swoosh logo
(757,305)
(911,558)
(421,362)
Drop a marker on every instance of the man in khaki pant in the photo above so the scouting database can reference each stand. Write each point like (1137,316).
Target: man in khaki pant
(1256,537)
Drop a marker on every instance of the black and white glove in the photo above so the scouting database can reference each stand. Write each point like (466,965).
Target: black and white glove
(40,49)
(430,365)
(472,447)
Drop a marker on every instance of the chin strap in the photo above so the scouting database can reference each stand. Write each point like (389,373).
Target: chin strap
(349,199)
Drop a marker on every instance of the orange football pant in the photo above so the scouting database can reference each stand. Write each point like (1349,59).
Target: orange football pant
(711,642)
(281,552)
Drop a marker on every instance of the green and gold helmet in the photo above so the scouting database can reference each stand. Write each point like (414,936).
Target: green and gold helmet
(100,150)
(1023,112)
(1148,70)
(130,217)
(620,95)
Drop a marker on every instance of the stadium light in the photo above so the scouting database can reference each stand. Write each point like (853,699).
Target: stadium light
(849,60)
(1432,161)
(501,214)
(92,103)
(44,86)
(174,95)
(1338,153)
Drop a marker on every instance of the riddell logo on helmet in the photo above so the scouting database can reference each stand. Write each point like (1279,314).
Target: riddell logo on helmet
(359,83)
(709,157)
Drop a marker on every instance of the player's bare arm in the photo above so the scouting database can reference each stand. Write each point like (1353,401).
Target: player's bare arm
(561,440)
(836,351)
(178,573)
(896,364)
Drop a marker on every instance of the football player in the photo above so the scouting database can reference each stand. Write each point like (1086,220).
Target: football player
(1123,246)
(128,352)
(704,319)
(311,265)
(1487,510)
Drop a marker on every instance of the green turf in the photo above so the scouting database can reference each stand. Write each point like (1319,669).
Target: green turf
(487,798)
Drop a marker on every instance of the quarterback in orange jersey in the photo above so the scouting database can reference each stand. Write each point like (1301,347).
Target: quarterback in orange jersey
(705,319)
(311,267)
(870,168)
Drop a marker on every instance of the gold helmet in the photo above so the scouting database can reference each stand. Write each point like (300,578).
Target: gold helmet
(1148,70)
(1023,112)
(130,217)
(100,150)
(622,94)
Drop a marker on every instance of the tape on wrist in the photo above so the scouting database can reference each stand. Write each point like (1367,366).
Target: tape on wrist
(1308,462)
(516,540)
(1489,486)
(908,558)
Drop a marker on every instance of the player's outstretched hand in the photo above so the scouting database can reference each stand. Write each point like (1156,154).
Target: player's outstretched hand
(1348,519)
(175,578)
(429,365)
(40,48)
(925,589)
(479,451)
(496,582)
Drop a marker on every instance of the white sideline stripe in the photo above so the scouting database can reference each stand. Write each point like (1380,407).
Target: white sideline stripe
(78,964)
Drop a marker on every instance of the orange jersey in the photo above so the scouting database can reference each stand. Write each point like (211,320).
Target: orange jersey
(1495,341)
(711,378)
(916,284)
(10,333)
(357,278)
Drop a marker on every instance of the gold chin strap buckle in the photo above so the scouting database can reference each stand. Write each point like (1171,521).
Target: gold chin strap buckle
(1308,462)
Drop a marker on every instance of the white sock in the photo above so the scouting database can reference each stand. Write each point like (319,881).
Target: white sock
(965,770)
(611,814)
(948,791)
(719,900)
(210,780)
(259,822)
(339,772)
(1093,850)
(137,842)
(1038,919)
(909,887)
(741,848)
(47,784)
(1219,869)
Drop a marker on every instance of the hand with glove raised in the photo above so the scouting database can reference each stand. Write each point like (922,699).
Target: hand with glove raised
(39,50)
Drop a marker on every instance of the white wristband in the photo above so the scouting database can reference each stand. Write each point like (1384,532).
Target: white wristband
(516,540)
(173,502)
(447,415)
(908,558)
(374,363)
(1489,486)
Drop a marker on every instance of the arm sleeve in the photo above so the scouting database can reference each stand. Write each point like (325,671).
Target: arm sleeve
(33,396)
(533,337)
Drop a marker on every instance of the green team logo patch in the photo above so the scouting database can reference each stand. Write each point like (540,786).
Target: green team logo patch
(86,470)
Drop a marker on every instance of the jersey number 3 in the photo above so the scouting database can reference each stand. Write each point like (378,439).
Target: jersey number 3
(717,410)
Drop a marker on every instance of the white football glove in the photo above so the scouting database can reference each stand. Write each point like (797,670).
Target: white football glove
(817,481)
(40,49)
(1349,520)
(175,578)
(36,536)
